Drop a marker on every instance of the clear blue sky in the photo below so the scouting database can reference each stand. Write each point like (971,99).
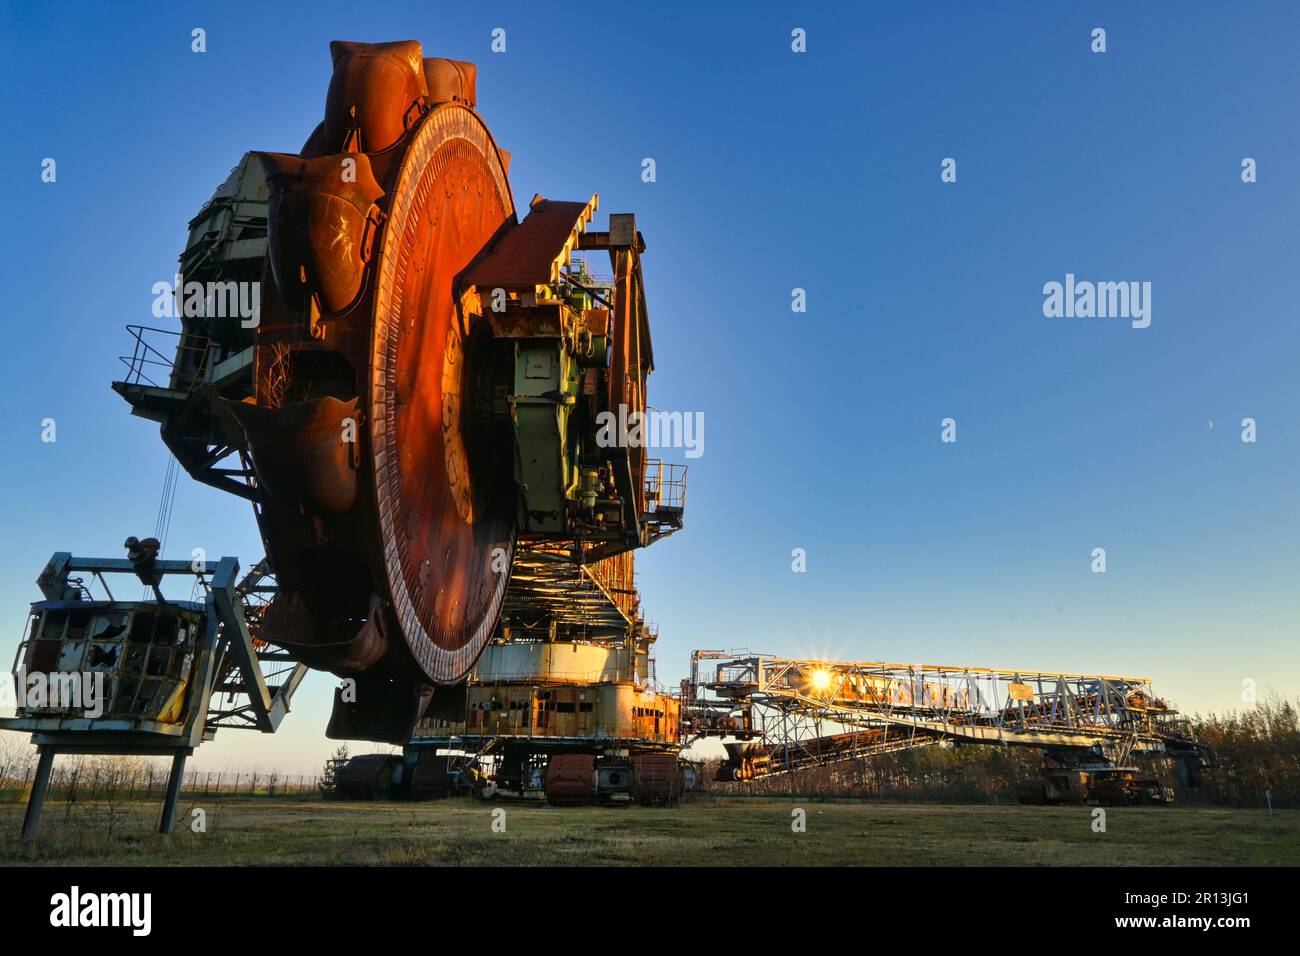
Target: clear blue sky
(774,171)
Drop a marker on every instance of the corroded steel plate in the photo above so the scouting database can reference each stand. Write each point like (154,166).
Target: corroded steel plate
(445,506)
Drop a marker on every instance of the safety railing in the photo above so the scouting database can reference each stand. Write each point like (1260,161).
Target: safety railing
(150,365)
(665,487)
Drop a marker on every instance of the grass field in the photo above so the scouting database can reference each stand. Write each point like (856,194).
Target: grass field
(732,833)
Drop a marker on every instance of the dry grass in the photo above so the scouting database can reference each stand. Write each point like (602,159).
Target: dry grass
(733,832)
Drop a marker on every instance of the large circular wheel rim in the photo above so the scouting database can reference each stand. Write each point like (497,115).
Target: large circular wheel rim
(439,550)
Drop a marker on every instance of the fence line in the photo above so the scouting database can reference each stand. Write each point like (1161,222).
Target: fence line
(101,780)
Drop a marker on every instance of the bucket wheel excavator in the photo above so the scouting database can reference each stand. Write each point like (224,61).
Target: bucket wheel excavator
(417,402)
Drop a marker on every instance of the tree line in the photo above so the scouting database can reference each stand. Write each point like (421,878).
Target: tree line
(1253,760)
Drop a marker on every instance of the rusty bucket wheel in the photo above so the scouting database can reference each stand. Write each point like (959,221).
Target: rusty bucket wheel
(392,547)
(444,493)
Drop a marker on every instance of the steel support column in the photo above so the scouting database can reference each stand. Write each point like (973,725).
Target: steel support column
(173,794)
(40,786)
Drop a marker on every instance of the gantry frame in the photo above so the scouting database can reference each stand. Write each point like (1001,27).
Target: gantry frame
(791,703)
(229,661)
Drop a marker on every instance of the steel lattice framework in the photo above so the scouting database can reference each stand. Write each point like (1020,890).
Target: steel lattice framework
(792,703)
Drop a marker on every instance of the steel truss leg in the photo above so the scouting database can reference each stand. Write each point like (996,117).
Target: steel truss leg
(40,786)
(168,823)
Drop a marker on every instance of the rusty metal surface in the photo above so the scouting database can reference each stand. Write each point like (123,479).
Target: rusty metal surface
(300,459)
(570,779)
(527,255)
(451,80)
(657,778)
(371,91)
(446,519)
(388,514)
(318,212)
